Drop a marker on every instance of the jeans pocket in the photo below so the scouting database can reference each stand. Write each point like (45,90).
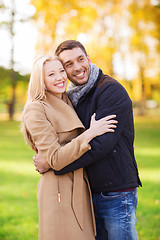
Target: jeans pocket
(112,195)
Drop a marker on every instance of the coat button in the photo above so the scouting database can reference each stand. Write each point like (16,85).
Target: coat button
(114,151)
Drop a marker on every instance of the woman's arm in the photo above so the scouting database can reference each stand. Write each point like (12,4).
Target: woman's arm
(46,139)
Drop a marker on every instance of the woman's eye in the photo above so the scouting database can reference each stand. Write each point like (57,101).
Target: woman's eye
(62,70)
(51,74)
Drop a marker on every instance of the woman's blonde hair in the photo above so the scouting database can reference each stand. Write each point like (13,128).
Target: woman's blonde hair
(36,90)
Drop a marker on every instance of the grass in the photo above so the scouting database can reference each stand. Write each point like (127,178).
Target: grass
(147,151)
(18,182)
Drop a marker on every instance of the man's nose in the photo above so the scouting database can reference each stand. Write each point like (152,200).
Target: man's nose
(77,66)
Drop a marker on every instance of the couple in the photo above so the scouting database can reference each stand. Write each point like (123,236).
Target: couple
(69,155)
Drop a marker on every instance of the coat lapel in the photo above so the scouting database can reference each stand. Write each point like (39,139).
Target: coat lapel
(64,114)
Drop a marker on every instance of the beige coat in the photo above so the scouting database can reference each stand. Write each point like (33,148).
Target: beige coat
(65,206)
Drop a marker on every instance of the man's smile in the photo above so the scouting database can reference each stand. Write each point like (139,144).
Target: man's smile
(80,75)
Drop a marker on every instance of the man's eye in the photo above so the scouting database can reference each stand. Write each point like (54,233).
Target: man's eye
(81,59)
(69,65)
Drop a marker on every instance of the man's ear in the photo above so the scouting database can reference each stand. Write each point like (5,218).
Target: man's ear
(89,60)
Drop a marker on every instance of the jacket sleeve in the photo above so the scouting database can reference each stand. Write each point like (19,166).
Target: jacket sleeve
(45,138)
(112,99)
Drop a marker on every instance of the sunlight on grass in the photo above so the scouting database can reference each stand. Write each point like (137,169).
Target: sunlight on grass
(148,151)
(152,175)
(22,167)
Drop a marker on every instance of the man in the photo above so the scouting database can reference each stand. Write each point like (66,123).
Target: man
(110,164)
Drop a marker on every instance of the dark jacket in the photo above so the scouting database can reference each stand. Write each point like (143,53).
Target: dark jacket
(110,164)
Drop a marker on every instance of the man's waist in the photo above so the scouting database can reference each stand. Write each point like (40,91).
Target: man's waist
(124,190)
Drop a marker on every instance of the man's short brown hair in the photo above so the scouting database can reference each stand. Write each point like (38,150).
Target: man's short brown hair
(68,45)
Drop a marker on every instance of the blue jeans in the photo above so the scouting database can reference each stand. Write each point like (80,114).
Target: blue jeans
(115,214)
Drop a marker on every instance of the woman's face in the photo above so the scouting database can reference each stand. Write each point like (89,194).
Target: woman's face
(55,77)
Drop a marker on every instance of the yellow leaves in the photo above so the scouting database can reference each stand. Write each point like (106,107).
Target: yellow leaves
(107,27)
(61,18)
(89,15)
(82,20)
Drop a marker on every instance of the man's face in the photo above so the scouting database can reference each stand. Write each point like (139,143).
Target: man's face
(76,64)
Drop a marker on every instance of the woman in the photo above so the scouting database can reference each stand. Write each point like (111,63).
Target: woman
(50,124)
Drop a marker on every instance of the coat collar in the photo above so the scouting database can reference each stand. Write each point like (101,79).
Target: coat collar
(66,117)
(54,100)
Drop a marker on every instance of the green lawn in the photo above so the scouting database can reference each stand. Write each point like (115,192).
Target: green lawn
(147,150)
(18,182)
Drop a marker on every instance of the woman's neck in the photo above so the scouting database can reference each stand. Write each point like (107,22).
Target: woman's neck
(59,95)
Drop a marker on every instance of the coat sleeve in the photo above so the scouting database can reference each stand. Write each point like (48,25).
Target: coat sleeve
(46,140)
(112,99)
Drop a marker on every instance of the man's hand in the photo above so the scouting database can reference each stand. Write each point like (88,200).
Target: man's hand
(40,163)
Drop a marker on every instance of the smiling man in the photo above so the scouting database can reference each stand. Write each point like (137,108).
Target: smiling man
(77,67)
(110,164)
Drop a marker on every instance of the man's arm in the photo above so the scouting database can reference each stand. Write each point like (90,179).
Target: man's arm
(113,99)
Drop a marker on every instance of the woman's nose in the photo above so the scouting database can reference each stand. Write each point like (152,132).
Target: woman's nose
(58,76)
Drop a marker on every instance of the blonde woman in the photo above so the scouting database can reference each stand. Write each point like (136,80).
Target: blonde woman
(50,124)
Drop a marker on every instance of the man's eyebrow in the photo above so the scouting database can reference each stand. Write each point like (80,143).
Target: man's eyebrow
(64,63)
(80,56)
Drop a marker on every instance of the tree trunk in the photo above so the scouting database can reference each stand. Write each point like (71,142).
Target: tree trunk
(143,95)
(11,107)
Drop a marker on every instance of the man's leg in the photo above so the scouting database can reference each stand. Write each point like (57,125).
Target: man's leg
(118,211)
(101,231)
(100,227)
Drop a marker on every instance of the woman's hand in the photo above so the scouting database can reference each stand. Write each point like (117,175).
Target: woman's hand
(40,163)
(101,126)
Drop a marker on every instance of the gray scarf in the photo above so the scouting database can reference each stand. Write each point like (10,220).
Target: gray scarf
(76,92)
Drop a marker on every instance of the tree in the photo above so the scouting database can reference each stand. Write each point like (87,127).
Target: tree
(6,88)
(62,19)
(77,19)
(10,24)
(143,42)
(128,29)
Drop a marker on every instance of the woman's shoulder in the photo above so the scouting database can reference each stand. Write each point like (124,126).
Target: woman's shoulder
(34,106)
